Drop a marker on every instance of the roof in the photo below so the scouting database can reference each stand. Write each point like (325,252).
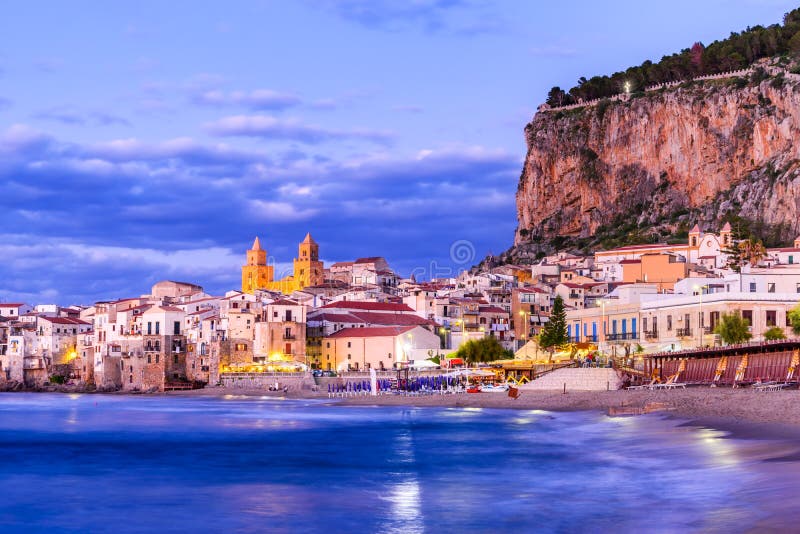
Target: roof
(11,304)
(309,240)
(393,319)
(256,244)
(374,331)
(284,302)
(342,264)
(334,317)
(368,306)
(65,320)
(786,249)
(371,259)
(695,229)
(727,227)
(493,309)
(629,262)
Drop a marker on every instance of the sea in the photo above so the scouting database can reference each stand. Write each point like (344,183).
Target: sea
(112,463)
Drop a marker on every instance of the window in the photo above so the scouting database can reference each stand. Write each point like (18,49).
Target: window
(149,358)
(644,324)
(348,344)
(752,287)
(328,345)
(747,315)
(772,317)
(175,358)
(149,328)
(158,327)
(770,287)
(176,328)
(791,260)
(669,322)
(797,287)
(275,315)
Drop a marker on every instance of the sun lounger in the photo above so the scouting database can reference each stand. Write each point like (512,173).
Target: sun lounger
(769,386)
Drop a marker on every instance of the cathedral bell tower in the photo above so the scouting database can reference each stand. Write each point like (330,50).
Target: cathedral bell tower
(256,274)
(308,270)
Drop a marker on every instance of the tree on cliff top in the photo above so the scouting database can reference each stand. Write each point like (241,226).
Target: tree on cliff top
(735,52)
(558,97)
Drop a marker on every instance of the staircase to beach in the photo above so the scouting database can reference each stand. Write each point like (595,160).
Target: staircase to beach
(576,379)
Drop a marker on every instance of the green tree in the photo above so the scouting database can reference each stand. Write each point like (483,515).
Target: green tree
(774,333)
(558,97)
(794,319)
(554,332)
(732,328)
(486,349)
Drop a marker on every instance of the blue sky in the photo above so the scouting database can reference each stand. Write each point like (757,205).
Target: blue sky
(148,140)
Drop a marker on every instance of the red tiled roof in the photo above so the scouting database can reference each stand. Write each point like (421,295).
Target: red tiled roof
(65,320)
(393,319)
(372,259)
(493,309)
(629,262)
(367,306)
(11,304)
(334,317)
(375,331)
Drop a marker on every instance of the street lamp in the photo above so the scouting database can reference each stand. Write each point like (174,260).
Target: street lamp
(602,325)
(700,321)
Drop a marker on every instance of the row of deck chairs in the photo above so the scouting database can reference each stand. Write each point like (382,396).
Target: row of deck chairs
(763,372)
(425,385)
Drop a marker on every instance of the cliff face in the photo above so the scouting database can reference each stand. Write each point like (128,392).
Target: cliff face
(704,150)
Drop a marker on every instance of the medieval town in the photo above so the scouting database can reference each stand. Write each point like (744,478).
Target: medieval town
(353,316)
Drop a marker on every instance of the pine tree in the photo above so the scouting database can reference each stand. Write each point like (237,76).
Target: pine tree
(554,332)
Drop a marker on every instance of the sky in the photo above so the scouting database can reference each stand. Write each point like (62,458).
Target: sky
(151,140)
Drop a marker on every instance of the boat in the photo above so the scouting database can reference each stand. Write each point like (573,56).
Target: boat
(494,388)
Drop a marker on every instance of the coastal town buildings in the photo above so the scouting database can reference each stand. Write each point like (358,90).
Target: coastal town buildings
(360,315)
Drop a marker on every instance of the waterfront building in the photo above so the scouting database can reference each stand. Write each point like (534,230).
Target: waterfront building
(380,347)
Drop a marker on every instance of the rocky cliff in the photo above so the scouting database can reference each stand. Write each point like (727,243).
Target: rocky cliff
(700,152)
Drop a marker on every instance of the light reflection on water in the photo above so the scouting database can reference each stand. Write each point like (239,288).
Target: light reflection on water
(128,464)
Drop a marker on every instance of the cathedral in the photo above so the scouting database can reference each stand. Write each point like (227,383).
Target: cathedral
(308,270)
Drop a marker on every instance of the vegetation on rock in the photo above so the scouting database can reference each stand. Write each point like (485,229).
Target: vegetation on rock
(738,51)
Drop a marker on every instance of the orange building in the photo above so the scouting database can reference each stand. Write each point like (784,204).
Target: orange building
(661,269)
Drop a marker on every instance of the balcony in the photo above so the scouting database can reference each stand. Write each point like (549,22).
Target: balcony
(625,336)
(684,332)
(289,337)
(652,334)
(498,327)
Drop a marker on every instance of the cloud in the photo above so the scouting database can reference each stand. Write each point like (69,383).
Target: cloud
(266,210)
(115,214)
(72,116)
(465,17)
(256,99)
(268,127)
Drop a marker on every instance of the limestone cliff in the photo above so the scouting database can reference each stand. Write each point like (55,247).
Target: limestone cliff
(702,151)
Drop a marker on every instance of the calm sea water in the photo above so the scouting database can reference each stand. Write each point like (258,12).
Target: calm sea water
(132,464)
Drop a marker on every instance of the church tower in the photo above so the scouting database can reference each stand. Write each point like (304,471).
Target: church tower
(256,274)
(726,236)
(694,236)
(308,270)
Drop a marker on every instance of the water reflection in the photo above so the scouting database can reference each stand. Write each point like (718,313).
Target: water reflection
(254,464)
